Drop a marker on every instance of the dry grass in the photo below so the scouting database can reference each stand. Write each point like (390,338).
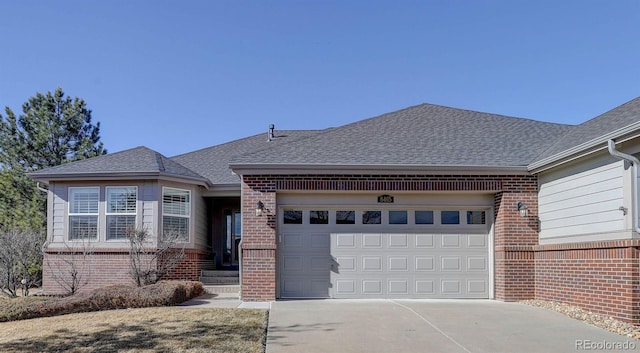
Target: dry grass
(168,329)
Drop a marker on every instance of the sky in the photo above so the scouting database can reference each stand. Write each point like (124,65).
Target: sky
(177,76)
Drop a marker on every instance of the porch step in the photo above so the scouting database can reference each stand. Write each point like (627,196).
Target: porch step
(220,273)
(208,277)
(223,290)
(208,265)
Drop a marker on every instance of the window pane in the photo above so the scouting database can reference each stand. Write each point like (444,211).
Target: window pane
(175,202)
(176,227)
(83,227)
(84,200)
(318,217)
(397,217)
(121,200)
(371,217)
(450,217)
(476,217)
(117,226)
(292,217)
(424,217)
(237,222)
(345,217)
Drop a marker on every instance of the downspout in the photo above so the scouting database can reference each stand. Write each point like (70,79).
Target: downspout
(635,163)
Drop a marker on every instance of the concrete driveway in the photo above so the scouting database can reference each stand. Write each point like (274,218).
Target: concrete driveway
(431,326)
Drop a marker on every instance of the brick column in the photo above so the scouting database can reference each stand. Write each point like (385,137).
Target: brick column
(258,240)
(515,238)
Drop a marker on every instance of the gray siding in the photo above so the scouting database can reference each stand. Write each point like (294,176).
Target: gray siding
(199,220)
(581,202)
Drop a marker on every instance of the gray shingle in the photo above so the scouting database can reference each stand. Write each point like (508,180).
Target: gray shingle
(139,160)
(617,118)
(213,162)
(421,135)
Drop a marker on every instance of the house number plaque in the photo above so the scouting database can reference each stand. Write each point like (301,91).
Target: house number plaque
(385,199)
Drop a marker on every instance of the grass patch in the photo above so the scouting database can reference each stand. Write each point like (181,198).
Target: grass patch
(169,329)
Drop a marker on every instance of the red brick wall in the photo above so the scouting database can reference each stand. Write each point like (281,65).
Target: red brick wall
(189,268)
(514,263)
(258,241)
(602,277)
(514,238)
(107,267)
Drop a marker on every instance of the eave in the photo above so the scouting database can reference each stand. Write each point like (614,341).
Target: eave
(345,169)
(47,178)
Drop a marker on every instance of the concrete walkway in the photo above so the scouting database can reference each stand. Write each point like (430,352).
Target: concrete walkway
(222,301)
(431,326)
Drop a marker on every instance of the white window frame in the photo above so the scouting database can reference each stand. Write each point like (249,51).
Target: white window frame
(82,214)
(187,214)
(133,213)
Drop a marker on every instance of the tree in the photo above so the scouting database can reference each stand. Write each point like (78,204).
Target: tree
(20,261)
(52,130)
(150,264)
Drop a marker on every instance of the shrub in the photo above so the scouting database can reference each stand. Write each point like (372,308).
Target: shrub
(163,293)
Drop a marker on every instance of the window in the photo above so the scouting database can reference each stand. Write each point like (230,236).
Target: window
(397,217)
(176,211)
(371,217)
(476,217)
(292,217)
(424,217)
(450,217)
(83,213)
(318,217)
(121,211)
(345,217)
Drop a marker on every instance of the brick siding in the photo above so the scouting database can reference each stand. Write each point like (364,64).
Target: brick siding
(108,267)
(602,277)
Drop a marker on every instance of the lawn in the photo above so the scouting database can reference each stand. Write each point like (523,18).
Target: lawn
(163,329)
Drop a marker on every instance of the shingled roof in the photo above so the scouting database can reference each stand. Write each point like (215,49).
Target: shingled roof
(423,135)
(595,129)
(213,162)
(132,162)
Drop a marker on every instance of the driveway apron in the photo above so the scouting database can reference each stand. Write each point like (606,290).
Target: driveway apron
(431,326)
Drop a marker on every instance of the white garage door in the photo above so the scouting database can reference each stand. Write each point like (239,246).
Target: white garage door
(378,253)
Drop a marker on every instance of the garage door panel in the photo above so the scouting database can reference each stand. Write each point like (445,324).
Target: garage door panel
(450,263)
(398,263)
(372,263)
(346,263)
(398,241)
(347,241)
(425,240)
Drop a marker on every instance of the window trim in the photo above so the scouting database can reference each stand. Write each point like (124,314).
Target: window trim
(188,211)
(70,214)
(107,213)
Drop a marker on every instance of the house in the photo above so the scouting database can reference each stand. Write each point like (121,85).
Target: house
(424,202)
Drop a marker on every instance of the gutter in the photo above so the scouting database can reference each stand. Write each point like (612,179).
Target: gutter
(635,163)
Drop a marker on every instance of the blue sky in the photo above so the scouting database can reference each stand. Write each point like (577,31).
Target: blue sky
(182,75)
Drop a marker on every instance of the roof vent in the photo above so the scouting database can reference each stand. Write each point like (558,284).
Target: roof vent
(270,135)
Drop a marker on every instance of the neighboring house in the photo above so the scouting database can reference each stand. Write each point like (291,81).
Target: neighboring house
(425,202)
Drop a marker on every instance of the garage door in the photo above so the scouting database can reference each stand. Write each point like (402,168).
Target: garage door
(394,253)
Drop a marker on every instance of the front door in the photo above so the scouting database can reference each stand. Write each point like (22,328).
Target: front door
(231,238)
